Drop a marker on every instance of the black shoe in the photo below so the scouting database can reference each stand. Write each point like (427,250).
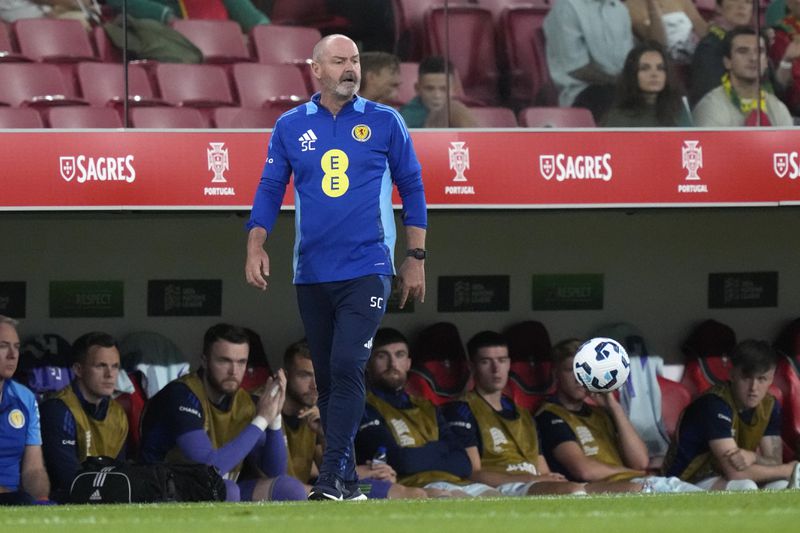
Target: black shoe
(328,487)
(352,491)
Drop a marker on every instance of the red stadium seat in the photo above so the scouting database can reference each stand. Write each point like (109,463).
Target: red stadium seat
(787,381)
(133,405)
(494,117)
(530,378)
(556,117)
(278,86)
(439,370)
(54,40)
(63,42)
(242,117)
(295,47)
(522,43)
(707,350)
(258,369)
(529,400)
(83,117)
(529,349)
(221,41)
(702,373)
(13,118)
(201,86)
(474,55)
(167,117)
(408,28)
(788,341)
(104,83)
(309,13)
(409,71)
(106,51)
(674,399)
(8,53)
(497,7)
(34,84)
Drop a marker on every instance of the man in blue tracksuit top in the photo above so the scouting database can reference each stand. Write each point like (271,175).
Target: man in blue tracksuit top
(344,152)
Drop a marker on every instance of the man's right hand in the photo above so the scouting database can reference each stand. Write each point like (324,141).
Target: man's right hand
(377,471)
(313,419)
(271,402)
(256,268)
(738,459)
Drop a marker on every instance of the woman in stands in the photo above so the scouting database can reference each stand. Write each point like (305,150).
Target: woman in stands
(647,93)
(675,24)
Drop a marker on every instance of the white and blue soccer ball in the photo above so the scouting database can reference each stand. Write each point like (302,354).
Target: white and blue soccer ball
(601,365)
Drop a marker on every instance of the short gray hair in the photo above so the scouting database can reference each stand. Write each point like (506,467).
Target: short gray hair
(7,320)
(316,54)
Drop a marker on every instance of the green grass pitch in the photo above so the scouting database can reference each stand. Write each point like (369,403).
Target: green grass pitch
(776,512)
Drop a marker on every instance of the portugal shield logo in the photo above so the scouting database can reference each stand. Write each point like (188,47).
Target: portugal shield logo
(780,164)
(547,166)
(67,166)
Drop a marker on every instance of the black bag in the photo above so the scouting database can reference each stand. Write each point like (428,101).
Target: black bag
(106,480)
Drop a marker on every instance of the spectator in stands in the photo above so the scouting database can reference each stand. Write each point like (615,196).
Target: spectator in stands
(429,109)
(241,11)
(206,417)
(380,77)
(729,437)
(647,92)
(594,443)
(675,24)
(84,10)
(82,420)
(586,43)
(23,478)
(419,444)
(707,66)
(500,436)
(785,52)
(776,10)
(305,438)
(739,99)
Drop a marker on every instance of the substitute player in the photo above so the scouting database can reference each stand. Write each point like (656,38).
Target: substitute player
(344,152)
(207,417)
(729,438)
(83,420)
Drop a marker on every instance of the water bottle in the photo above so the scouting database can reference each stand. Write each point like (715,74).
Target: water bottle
(380,456)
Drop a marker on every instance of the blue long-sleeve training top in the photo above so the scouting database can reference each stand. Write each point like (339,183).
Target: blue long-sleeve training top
(344,167)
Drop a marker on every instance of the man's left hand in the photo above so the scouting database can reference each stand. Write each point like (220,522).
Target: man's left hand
(411,280)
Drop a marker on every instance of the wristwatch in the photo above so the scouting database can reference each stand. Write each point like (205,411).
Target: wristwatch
(417,253)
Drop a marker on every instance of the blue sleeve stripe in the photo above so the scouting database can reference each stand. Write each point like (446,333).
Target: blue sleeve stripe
(360,104)
(298,234)
(287,113)
(387,214)
(400,122)
(28,400)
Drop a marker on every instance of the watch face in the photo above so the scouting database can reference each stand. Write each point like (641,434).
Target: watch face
(417,253)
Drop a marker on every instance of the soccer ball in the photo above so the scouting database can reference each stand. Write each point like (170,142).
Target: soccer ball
(601,365)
